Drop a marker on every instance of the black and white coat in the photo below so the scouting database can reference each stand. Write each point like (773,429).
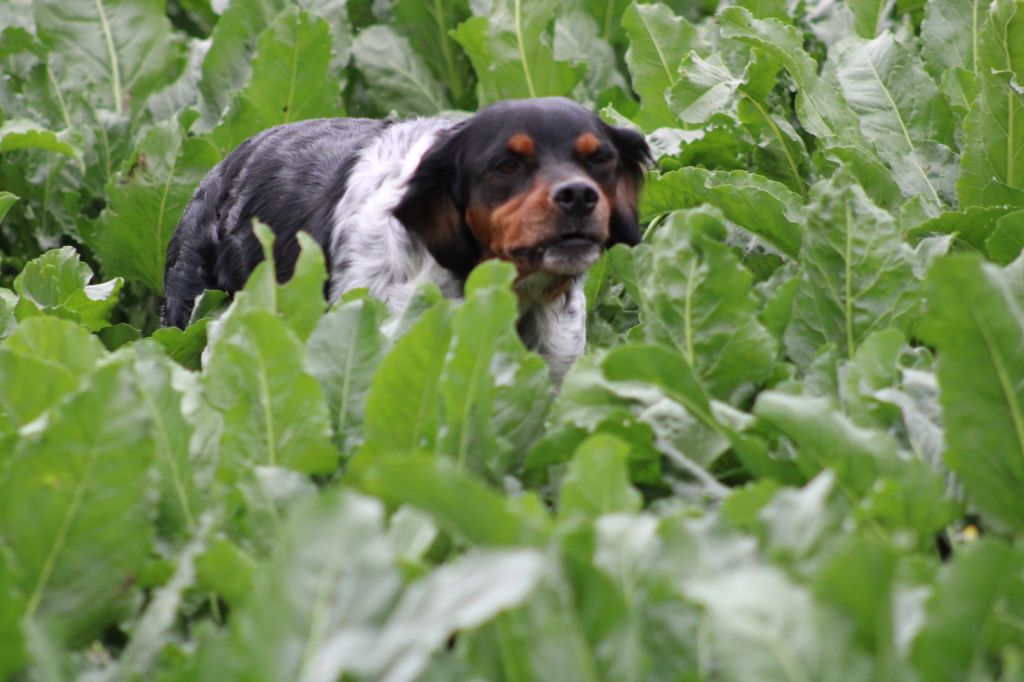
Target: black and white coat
(542,183)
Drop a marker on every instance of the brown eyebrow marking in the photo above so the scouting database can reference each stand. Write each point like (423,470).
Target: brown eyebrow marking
(521,144)
(586,144)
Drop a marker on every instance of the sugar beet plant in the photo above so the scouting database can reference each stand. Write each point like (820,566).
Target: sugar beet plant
(795,447)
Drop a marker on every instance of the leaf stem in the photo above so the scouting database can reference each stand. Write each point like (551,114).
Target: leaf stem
(115,69)
(518,7)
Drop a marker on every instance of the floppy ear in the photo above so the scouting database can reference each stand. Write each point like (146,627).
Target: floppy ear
(634,157)
(431,210)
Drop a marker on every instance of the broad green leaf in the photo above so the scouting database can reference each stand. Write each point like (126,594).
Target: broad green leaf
(290,80)
(402,405)
(698,298)
(400,78)
(458,503)
(300,300)
(973,225)
(343,353)
(819,105)
(796,525)
(180,504)
(146,199)
(494,395)
(232,44)
(577,41)
(903,115)
(826,439)
(118,51)
(22,134)
(6,201)
(992,163)
(949,34)
(332,571)
(41,362)
(274,412)
(1007,240)
(869,171)
(764,207)
(74,505)
(870,16)
(857,273)
(57,283)
(428,26)
(509,45)
(976,601)
(658,41)
(454,598)
(976,322)
(597,482)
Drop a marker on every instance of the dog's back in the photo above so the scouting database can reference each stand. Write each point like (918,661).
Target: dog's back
(290,177)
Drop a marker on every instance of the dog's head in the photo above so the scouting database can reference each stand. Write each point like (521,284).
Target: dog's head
(542,183)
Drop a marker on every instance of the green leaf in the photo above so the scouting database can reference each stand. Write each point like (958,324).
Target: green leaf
(597,482)
(903,115)
(343,354)
(274,413)
(290,80)
(820,107)
(494,395)
(400,77)
(23,134)
(228,62)
(57,283)
(1007,240)
(949,34)
(6,201)
(992,163)
(870,16)
(976,600)
(180,504)
(118,51)
(310,590)
(976,322)
(41,362)
(429,27)
(699,299)
(509,45)
(973,225)
(658,41)
(75,508)
(459,504)
(146,200)
(764,207)
(300,300)
(857,273)
(402,405)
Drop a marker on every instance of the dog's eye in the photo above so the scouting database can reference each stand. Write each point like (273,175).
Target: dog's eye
(601,157)
(509,166)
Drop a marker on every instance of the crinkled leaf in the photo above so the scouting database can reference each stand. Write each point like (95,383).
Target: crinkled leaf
(764,207)
(857,273)
(976,322)
(119,51)
(902,114)
(509,44)
(698,298)
(399,76)
(57,283)
(658,41)
(428,26)
(75,508)
(949,34)
(992,163)
(146,199)
(274,412)
(973,225)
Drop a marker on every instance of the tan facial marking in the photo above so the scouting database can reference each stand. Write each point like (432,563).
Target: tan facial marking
(586,144)
(521,144)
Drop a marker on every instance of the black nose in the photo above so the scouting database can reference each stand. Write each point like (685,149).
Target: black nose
(575,198)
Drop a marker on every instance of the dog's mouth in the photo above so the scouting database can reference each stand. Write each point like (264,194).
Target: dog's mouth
(570,253)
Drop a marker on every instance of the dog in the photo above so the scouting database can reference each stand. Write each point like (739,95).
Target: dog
(541,183)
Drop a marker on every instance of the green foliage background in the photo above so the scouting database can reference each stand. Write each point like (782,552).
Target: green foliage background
(794,449)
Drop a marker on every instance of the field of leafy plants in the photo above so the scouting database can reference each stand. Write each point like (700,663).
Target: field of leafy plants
(795,447)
